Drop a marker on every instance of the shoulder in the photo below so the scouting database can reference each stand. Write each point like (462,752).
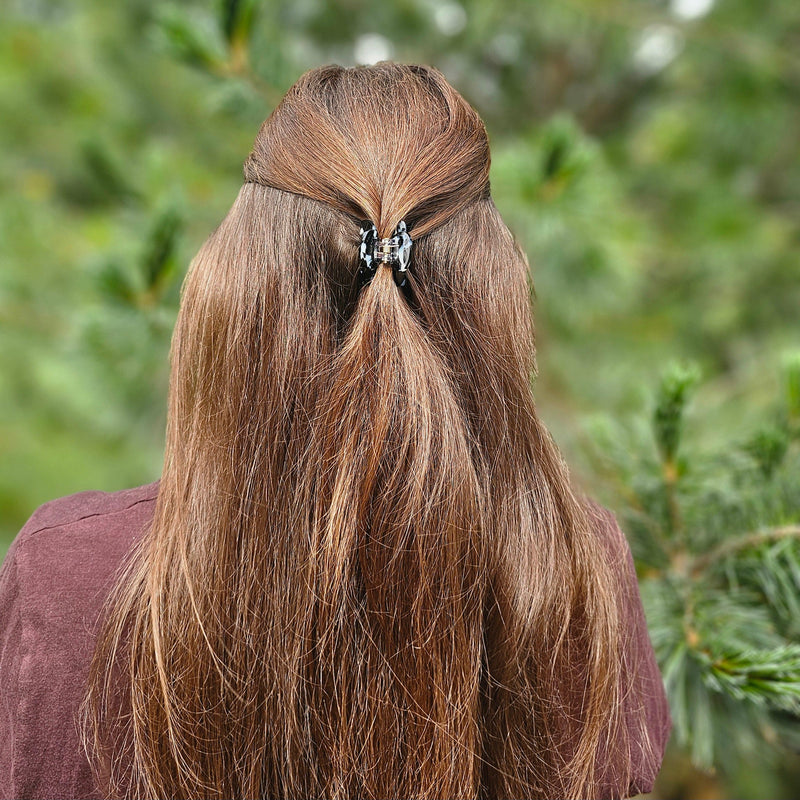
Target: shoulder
(81,532)
(80,537)
(53,583)
(74,508)
(643,695)
(606,527)
(70,545)
(78,534)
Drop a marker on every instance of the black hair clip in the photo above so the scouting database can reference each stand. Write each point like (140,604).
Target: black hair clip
(394,251)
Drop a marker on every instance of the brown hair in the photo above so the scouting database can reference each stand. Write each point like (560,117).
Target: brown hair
(367,574)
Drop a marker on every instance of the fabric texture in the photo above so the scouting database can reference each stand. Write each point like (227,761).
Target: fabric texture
(54,581)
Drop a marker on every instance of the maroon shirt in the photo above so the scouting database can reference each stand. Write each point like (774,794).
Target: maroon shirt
(53,582)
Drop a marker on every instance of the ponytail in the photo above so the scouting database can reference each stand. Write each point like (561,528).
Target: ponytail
(398,564)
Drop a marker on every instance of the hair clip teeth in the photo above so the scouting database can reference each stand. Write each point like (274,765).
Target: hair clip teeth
(386,250)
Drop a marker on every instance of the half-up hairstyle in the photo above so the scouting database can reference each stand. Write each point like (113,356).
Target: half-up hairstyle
(367,575)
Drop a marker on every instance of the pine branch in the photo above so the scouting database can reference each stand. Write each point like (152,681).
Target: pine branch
(766,678)
(723,606)
(730,546)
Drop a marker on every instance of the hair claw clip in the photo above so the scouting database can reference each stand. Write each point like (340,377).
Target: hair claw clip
(394,252)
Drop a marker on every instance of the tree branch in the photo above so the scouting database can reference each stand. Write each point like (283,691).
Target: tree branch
(703,562)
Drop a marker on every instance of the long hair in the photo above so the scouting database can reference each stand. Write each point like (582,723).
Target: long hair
(367,574)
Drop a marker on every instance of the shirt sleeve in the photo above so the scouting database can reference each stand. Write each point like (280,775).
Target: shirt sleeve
(53,583)
(10,658)
(644,699)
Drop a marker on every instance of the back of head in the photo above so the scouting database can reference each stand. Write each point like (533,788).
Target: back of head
(367,575)
(386,142)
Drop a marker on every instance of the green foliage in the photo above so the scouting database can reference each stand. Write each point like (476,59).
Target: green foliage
(193,38)
(717,543)
(675,385)
(792,372)
(768,447)
(767,678)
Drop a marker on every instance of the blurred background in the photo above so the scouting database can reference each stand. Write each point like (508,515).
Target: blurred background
(645,153)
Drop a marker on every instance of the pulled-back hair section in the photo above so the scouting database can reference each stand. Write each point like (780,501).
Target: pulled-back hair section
(367,575)
(352,140)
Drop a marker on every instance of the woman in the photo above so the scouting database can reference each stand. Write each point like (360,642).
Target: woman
(364,572)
